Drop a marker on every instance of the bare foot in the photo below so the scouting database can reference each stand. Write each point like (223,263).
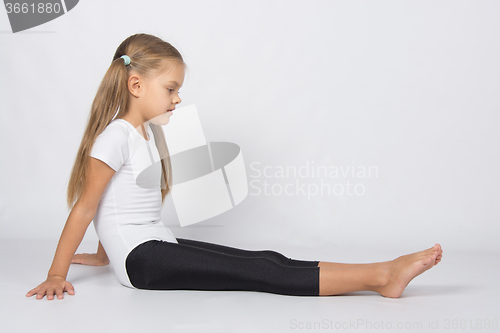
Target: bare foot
(440,254)
(399,272)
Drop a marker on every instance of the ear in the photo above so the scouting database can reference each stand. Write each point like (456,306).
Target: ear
(135,85)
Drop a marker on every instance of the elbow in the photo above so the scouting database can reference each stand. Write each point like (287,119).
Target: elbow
(86,212)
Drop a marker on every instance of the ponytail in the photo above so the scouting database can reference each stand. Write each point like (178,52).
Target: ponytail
(110,97)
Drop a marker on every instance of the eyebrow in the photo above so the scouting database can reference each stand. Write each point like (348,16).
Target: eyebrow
(175,83)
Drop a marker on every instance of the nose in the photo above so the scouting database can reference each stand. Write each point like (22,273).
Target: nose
(177,100)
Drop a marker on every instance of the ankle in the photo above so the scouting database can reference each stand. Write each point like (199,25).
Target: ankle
(381,277)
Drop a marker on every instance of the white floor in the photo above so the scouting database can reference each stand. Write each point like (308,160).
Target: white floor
(461,294)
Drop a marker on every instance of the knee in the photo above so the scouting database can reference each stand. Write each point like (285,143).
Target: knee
(276,256)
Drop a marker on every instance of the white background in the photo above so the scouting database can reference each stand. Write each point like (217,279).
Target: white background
(410,87)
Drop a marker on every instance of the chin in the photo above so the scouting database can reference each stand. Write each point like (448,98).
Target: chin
(161,120)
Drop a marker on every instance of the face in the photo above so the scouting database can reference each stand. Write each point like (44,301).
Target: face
(162,93)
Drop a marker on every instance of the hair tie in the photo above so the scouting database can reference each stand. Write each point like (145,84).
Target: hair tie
(126,59)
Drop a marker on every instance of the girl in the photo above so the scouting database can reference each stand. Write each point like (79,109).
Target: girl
(138,94)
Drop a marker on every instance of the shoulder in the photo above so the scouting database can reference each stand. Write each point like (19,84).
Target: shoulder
(117,128)
(118,132)
(112,145)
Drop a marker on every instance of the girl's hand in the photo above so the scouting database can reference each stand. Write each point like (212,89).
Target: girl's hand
(53,285)
(89,259)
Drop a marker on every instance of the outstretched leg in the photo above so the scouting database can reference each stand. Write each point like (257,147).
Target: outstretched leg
(171,266)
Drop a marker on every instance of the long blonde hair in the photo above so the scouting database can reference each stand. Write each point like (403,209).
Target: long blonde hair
(147,54)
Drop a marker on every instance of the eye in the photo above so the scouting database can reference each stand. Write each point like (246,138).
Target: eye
(172,90)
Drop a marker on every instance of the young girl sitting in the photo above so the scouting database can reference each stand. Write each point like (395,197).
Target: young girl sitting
(136,97)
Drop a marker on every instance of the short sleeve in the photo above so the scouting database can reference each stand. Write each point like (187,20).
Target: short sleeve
(111,146)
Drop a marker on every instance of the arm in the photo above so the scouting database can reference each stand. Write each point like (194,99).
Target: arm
(101,254)
(98,176)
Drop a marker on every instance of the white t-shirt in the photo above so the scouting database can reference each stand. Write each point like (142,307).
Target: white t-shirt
(129,214)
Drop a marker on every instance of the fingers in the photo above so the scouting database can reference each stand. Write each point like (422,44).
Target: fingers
(32,292)
(38,291)
(78,258)
(42,293)
(52,290)
(69,288)
(89,259)
(59,292)
(86,259)
(50,294)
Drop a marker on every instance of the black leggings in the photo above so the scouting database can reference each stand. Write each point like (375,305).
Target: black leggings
(196,265)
